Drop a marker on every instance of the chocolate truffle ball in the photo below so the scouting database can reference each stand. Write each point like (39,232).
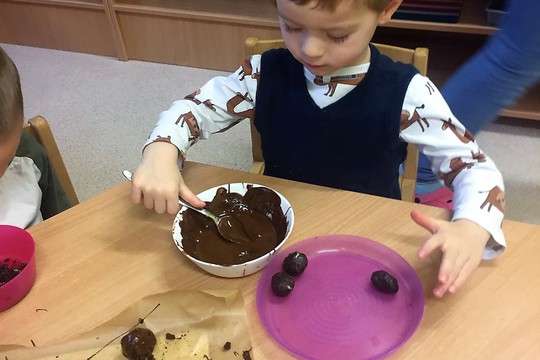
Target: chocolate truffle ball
(282,283)
(295,263)
(384,282)
(138,344)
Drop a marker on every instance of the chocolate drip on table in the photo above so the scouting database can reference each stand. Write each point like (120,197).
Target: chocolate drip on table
(202,240)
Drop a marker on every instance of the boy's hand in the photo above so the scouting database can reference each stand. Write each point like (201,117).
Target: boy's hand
(157,181)
(461,243)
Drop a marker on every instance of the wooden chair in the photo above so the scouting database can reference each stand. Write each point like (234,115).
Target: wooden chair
(39,128)
(417,57)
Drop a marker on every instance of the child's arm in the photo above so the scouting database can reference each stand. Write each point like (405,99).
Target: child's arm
(475,230)
(218,105)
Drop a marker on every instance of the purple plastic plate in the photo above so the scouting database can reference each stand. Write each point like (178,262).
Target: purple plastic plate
(334,312)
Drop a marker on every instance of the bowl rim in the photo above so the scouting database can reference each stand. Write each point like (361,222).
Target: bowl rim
(290,226)
(22,283)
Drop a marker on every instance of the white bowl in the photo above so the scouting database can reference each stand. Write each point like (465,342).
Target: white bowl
(236,270)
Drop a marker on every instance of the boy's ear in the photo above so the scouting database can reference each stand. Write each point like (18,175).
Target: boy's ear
(387,13)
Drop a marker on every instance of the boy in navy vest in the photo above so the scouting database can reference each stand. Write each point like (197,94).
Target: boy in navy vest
(333,111)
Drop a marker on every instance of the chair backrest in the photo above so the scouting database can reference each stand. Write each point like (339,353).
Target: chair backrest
(417,57)
(40,129)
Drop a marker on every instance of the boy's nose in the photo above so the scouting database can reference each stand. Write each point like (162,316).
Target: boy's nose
(312,47)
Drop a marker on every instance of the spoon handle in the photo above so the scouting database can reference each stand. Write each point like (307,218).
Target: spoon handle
(200,210)
(129,175)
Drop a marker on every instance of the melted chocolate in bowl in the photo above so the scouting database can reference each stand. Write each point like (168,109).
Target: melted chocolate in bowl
(256,219)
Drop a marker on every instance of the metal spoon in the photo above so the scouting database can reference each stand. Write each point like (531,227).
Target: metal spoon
(227,226)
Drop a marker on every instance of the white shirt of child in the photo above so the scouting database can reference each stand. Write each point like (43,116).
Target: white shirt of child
(20,195)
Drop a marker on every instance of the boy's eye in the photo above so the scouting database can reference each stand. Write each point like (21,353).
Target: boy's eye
(289,28)
(338,39)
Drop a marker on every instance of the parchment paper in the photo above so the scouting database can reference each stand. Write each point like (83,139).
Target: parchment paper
(201,321)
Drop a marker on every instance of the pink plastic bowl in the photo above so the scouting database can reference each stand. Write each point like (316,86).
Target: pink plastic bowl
(18,246)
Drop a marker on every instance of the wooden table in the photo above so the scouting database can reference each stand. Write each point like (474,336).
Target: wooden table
(99,257)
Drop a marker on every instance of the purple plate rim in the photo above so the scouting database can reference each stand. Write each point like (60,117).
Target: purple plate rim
(337,241)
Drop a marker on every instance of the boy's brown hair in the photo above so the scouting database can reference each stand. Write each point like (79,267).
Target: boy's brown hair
(376,5)
(11,100)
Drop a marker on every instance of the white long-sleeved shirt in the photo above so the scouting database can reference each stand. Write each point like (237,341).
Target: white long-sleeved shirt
(29,189)
(426,121)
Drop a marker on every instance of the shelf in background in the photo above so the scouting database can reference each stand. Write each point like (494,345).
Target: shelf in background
(187,41)
(472,20)
(460,27)
(81,26)
(261,13)
(526,108)
(85,4)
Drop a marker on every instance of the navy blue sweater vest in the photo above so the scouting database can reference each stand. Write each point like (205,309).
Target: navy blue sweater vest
(352,144)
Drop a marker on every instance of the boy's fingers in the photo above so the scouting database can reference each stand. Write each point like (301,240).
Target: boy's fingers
(148,202)
(452,270)
(466,271)
(136,195)
(190,197)
(430,225)
(173,207)
(447,272)
(443,284)
(463,267)
(160,206)
(426,222)
(440,290)
(429,246)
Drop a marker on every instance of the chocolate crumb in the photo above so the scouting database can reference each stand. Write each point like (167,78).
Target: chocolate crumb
(170,336)
(246,354)
(141,320)
(9,271)
(227,346)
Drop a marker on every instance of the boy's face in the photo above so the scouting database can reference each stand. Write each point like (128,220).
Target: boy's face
(8,148)
(325,41)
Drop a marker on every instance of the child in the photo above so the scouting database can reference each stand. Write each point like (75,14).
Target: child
(29,190)
(331,110)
